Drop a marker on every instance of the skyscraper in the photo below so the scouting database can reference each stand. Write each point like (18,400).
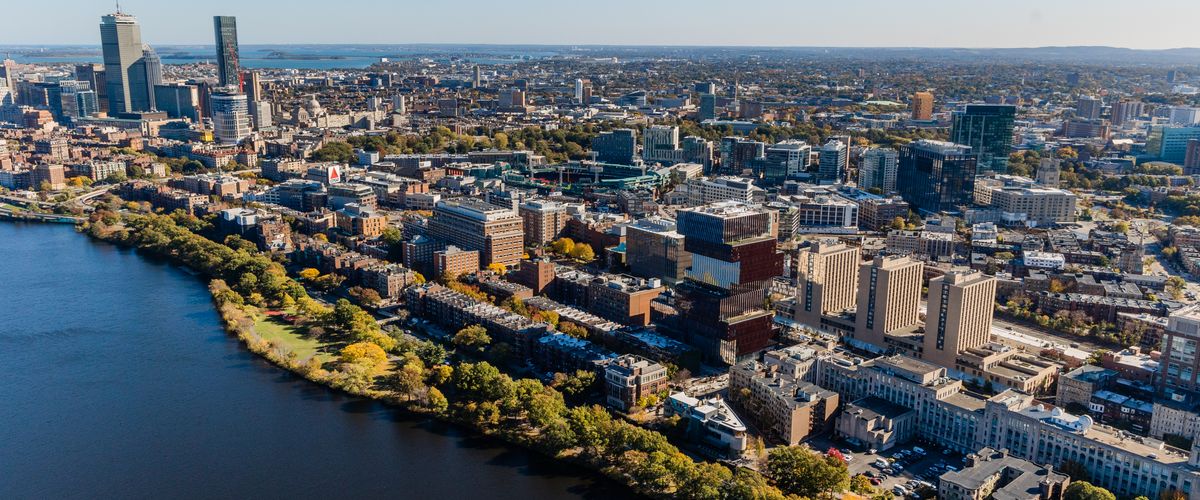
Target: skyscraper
(225,32)
(721,301)
(889,298)
(988,130)
(478,80)
(922,106)
(661,143)
(124,71)
(936,176)
(94,75)
(878,170)
(8,78)
(1088,107)
(708,106)
(616,146)
(959,316)
(230,115)
(834,155)
(151,67)
(826,275)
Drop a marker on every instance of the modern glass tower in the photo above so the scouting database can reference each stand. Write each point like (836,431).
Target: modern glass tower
(988,129)
(937,176)
(124,71)
(225,31)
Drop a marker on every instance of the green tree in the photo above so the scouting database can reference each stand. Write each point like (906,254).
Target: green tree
(1083,490)
(436,400)
(473,337)
(803,472)
(335,151)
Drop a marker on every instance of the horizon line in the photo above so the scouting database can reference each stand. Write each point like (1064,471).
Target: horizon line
(633,45)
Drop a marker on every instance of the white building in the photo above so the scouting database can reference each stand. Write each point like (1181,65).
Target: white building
(878,170)
(230,116)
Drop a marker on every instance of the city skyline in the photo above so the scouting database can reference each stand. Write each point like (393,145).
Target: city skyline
(1019,24)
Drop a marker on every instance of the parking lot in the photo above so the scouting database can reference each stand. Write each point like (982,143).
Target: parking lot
(912,466)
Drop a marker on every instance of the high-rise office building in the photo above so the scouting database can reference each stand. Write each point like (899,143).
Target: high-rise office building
(833,160)
(936,176)
(959,315)
(826,277)
(922,106)
(988,130)
(230,115)
(178,100)
(616,146)
(698,150)
(889,299)
(660,143)
(721,301)
(152,70)
(1171,142)
(8,75)
(252,85)
(495,232)
(71,99)
(93,74)
(784,160)
(1088,107)
(878,170)
(477,82)
(124,69)
(655,249)
(1126,111)
(1191,159)
(225,35)
(708,106)
(738,154)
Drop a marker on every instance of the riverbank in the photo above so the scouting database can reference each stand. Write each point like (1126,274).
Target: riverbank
(138,391)
(523,412)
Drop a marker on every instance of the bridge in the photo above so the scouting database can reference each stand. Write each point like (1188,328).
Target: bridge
(10,214)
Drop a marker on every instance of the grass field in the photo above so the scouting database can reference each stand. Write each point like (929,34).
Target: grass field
(277,330)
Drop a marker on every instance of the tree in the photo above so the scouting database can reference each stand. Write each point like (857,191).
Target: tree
(473,337)
(747,485)
(1083,490)
(562,246)
(583,252)
(436,400)
(335,151)
(366,296)
(802,472)
(497,268)
(898,223)
(364,353)
(309,273)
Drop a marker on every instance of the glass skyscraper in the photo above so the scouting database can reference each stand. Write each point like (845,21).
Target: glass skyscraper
(937,176)
(125,74)
(225,32)
(988,129)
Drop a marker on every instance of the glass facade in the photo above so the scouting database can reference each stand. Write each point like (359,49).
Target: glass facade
(937,176)
(988,130)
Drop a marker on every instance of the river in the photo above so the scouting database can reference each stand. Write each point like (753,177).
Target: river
(117,381)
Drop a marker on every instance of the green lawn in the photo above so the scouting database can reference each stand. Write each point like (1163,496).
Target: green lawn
(277,331)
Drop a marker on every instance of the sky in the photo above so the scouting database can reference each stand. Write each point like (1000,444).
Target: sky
(1142,24)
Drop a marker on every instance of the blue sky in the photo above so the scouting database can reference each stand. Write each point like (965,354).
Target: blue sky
(911,23)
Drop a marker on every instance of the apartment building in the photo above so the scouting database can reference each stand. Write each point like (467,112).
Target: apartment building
(826,276)
(889,297)
(629,378)
(495,232)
